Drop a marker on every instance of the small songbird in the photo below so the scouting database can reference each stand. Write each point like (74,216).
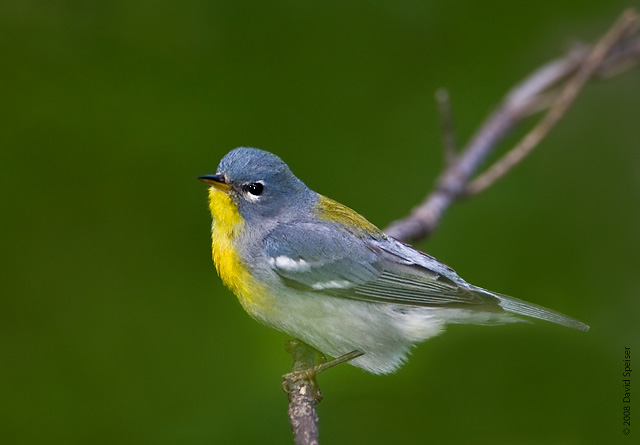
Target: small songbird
(317,270)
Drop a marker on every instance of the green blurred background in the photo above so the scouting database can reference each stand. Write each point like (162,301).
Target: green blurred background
(116,329)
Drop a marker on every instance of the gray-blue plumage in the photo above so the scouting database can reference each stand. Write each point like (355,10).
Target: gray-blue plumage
(342,288)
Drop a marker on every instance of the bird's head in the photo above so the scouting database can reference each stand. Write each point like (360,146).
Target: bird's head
(259,183)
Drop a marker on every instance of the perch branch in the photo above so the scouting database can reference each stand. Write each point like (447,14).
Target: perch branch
(304,394)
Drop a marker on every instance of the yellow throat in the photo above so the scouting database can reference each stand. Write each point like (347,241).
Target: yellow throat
(226,227)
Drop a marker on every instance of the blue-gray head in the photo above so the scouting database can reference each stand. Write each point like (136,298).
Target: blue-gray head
(259,182)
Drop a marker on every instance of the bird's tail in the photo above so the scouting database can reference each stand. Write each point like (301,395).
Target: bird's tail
(520,307)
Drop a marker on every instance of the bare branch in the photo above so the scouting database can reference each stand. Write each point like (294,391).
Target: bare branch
(569,93)
(622,58)
(553,86)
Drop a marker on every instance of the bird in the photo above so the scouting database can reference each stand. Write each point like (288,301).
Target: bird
(306,265)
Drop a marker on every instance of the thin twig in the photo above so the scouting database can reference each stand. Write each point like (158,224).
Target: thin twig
(558,109)
(623,57)
(618,50)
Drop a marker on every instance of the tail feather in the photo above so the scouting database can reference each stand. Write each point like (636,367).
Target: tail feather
(520,307)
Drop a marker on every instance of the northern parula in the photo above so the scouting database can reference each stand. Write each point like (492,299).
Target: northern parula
(311,267)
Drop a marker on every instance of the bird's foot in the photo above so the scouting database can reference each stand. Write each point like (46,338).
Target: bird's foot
(310,374)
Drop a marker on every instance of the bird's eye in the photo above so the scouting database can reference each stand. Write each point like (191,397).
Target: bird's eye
(254,188)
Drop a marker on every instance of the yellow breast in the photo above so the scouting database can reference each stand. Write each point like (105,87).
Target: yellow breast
(226,227)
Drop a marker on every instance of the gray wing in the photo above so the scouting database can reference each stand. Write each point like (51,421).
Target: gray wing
(412,277)
(319,257)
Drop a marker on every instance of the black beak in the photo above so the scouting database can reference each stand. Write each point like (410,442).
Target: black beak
(218,181)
